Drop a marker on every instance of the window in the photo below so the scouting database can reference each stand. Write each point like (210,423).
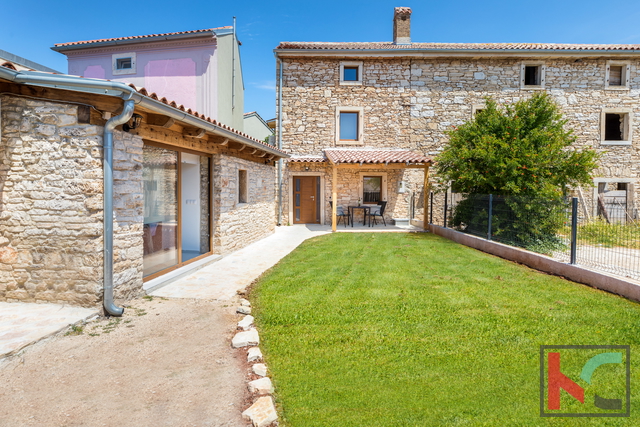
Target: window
(349,125)
(123,63)
(242,186)
(532,76)
(617,75)
(372,189)
(615,127)
(351,73)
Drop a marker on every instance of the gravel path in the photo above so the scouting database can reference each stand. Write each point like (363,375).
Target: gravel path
(166,362)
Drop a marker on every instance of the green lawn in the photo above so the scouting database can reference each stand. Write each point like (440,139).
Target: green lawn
(389,329)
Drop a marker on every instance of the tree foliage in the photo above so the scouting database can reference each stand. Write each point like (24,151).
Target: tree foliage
(521,149)
(523,153)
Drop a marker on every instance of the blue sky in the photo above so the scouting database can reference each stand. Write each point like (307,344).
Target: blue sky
(29,29)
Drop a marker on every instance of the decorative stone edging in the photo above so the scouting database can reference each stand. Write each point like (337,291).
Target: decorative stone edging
(262,412)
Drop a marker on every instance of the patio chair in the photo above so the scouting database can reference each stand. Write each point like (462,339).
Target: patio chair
(341,214)
(377,211)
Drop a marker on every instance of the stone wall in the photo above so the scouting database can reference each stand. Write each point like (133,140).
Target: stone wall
(51,206)
(411,103)
(237,225)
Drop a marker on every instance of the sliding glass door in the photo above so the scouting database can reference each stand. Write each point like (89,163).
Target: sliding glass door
(177,187)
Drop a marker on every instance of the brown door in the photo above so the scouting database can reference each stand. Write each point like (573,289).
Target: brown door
(305,199)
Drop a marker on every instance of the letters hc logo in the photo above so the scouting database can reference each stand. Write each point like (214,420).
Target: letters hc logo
(596,379)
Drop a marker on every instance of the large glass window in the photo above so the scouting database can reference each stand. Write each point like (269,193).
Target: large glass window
(160,177)
(176,208)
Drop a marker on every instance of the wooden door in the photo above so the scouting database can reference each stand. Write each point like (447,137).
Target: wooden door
(305,200)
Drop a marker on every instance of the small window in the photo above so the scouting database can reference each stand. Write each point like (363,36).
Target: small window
(372,189)
(349,125)
(533,76)
(123,63)
(351,73)
(242,186)
(617,75)
(616,127)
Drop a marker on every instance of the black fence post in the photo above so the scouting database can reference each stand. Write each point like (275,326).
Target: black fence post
(574,229)
(490,216)
(446,207)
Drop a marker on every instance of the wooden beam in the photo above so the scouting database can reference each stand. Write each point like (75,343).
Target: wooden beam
(426,189)
(159,120)
(334,197)
(194,133)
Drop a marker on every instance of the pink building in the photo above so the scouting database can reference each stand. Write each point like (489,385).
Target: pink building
(199,69)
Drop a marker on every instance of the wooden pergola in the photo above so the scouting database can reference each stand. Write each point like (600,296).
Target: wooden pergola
(390,159)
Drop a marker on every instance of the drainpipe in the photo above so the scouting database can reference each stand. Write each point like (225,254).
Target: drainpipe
(280,161)
(124,117)
(233,70)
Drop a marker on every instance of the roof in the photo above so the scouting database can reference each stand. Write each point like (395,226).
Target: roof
(325,46)
(364,155)
(13,60)
(139,39)
(75,83)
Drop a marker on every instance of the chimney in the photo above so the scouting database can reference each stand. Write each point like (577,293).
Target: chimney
(402,25)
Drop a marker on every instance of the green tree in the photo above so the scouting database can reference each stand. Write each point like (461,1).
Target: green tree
(523,152)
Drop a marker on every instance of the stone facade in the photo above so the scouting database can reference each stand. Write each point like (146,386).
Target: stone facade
(410,103)
(51,206)
(236,224)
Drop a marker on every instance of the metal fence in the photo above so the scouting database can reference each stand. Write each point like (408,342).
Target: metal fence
(557,228)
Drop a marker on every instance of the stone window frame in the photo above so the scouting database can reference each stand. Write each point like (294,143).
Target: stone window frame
(543,72)
(114,64)
(240,191)
(358,64)
(475,108)
(626,69)
(383,189)
(360,111)
(600,180)
(628,125)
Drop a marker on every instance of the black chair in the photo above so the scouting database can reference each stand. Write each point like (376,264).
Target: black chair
(377,211)
(340,213)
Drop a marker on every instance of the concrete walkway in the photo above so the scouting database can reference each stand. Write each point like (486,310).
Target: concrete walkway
(222,279)
(22,324)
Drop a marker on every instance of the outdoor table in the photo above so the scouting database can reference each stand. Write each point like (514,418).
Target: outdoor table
(365,211)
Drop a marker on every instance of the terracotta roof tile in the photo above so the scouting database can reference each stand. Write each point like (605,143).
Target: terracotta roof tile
(143,91)
(307,159)
(456,46)
(347,155)
(137,37)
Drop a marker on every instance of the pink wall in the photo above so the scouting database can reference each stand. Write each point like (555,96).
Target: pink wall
(184,74)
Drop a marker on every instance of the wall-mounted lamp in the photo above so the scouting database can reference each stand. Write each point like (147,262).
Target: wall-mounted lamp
(306,168)
(135,122)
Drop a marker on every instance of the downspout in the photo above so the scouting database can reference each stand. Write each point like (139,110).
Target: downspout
(280,161)
(124,117)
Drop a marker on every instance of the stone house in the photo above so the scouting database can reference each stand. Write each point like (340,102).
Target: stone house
(401,96)
(106,188)
(199,69)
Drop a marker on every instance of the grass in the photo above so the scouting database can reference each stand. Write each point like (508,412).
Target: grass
(394,329)
(599,232)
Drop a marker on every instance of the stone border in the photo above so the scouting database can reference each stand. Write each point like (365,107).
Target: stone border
(262,412)
(613,284)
